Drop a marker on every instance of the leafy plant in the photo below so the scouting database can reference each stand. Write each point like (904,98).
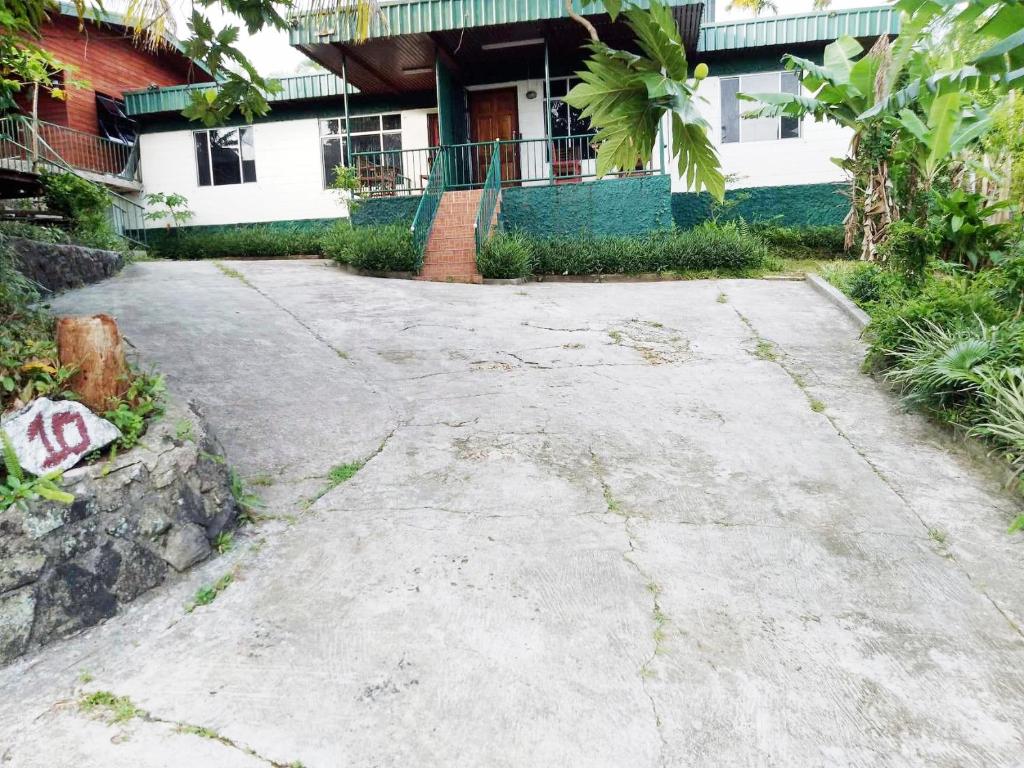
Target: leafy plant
(248,502)
(626,95)
(224,542)
(1003,393)
(907,250)
(142,400)
(966,232)
(506,255)
(17,488)
(171,206)
(116,709)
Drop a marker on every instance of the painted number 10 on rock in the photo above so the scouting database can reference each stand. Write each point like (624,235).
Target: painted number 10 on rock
(48,436)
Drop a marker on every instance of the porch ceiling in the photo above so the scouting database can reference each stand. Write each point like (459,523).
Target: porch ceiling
(405,62)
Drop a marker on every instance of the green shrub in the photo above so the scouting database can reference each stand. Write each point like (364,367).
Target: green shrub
(728,248)
(87,205)
(35,232)
(802,242)
(385,248)
(242,241)
(506,255)
(907,249)
(943,300)
(870,284)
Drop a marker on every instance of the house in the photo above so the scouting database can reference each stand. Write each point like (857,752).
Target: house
(88,130)
(445,79)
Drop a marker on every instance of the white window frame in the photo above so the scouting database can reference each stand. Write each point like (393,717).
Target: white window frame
(343,135)
(747,106)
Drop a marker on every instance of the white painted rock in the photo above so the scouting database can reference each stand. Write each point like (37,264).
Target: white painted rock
(49,436)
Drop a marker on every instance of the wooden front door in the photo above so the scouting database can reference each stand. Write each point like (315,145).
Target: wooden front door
(495,115)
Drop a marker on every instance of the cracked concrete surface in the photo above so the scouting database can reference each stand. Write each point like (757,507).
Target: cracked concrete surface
(599,531)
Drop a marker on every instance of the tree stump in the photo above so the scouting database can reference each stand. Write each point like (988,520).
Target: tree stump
(93,346)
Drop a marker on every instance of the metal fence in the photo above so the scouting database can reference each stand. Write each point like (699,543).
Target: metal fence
(20,146)
(429,203)
(526,162)
(489,199)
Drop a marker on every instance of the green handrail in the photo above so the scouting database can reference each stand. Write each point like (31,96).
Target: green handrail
(489,199)
(426,211)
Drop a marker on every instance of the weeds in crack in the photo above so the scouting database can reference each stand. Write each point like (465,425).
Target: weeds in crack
(116,710)
(233,273)
(765,350)
(722,299)
(342,473)
(206,595)
(817,405)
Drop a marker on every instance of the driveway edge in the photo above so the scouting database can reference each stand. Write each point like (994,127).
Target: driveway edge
(837,297)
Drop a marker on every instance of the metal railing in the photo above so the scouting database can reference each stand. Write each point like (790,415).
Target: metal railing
(527,162)
(126,216)
(394,172)
(56,143)
(489,199)
(426,212)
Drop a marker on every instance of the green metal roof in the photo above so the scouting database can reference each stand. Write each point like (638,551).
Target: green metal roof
(414,17)
(800,28)
(176,98)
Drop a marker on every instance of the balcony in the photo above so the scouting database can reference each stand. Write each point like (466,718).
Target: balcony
(26,149)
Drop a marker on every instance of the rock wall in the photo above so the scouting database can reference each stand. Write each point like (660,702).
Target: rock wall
(62,267)
(136,519)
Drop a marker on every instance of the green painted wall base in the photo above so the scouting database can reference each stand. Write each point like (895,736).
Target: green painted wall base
(386,210)
(793,206)
(606,207)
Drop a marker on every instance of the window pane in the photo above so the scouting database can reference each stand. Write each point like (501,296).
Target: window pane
(202,158)
(759,128)
(227,168)
(559,87)
(392,122)
(366,143)
(392,141)
(248,155)
(334,126)
(730,110)
(578,125)
(365,124)
(789,127)
(332,159)
(559,118)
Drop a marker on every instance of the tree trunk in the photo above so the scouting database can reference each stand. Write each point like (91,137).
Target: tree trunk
(93,346)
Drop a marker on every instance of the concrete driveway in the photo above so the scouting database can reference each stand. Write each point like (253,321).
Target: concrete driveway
(598,525)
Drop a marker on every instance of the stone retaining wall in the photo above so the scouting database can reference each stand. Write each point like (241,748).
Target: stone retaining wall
(136,519)
(62,267)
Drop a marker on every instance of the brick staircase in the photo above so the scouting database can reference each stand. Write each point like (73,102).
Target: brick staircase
(450,255)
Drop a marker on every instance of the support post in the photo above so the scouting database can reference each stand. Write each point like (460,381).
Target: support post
(661,143)
(547,113)
(348,130)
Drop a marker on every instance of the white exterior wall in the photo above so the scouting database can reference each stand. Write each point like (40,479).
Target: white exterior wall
(804,160)
(289,169)
(289,173)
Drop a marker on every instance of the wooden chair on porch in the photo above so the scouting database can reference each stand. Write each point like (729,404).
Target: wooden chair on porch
(377,180)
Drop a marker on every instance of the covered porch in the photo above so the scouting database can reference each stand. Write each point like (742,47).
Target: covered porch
(497,72)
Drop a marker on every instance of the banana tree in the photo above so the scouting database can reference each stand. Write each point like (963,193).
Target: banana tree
(840,90)
(627,96)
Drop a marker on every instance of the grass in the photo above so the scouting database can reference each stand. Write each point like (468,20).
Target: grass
(206,595)
(937,535)
(113,709)
(765,350)
(224,542)
(343,473)
(183,431)
(248,502)
(817,406)
(233,273)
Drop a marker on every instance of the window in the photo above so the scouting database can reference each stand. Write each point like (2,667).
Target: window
(737,128)
(370,133)
(568,121)
(225,156)
(114,124)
